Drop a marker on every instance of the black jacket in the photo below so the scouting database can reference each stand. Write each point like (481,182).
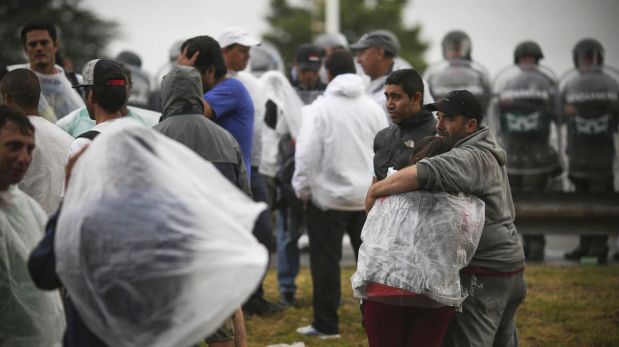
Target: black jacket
(393,146)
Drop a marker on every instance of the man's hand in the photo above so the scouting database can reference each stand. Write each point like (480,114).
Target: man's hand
(183,59)
(70,163)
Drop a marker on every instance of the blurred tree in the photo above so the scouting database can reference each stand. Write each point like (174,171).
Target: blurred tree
(82,35)
(294,25)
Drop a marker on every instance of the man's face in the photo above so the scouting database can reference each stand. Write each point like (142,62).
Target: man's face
(308,78)
(236,57)
(41,49)
(399,105)
(369,60)
(15,154)
(455,128)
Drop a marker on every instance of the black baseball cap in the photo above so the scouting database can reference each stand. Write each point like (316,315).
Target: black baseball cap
(309,57)
(458,102)
(103,73)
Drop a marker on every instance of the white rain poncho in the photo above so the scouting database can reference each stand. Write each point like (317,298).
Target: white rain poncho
(419,241)
(44,180)
(58,91)
(153,244)
(29,317)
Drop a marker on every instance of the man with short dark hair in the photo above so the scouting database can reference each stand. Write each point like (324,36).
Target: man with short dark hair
(393,146)
(494,279)
(227,101)
(105,85)
(44,180)
(40,41)
(29,317)
(333,164)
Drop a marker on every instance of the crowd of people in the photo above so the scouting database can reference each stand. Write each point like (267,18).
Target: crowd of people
(129,204)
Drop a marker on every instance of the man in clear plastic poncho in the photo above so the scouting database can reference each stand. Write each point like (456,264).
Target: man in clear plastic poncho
(44,180)
(494,279)
(28,317)
(40,41)
(151,243)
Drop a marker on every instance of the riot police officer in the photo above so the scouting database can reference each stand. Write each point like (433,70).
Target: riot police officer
(589,96)
(140,92)
(458,71)
(524,111)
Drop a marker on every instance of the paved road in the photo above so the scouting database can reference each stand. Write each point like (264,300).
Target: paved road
(556,245)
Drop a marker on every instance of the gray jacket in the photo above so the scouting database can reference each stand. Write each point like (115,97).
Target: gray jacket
(183,121)
(476,166)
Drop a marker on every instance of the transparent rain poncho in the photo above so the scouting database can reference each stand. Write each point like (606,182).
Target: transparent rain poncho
(153,244)
(29,316)
(419,241)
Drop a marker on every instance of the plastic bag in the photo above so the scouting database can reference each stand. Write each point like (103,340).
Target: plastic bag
(153,244)
(418,241)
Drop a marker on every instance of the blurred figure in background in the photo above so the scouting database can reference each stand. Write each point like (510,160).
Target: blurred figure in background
(140,80)
(154,101)
(458,71)
(589,105)
(525,114)
(377,53)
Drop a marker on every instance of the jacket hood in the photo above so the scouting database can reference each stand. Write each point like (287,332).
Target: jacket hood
(181,92)
(348,85)
(483,138)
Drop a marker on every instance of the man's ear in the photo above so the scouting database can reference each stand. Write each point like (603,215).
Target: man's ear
(417,98)
(7,100)
(471,125)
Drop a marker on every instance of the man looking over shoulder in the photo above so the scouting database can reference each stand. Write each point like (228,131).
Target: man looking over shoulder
(494,278)
(393,146)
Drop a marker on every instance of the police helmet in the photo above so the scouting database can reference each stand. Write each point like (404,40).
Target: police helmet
(528,49)
(459,42)
(331,40)
(129,58)
(590,50)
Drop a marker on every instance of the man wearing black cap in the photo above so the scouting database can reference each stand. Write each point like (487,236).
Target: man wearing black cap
(494,279)
(105,85)
(305,78)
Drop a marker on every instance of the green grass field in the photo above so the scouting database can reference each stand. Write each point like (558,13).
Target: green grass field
(565,306)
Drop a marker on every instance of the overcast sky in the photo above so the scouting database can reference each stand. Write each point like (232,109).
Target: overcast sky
(150,27)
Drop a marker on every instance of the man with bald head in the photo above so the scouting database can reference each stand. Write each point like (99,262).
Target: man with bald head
(44,180)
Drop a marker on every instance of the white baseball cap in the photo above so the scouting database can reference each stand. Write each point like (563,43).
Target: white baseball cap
(232,35)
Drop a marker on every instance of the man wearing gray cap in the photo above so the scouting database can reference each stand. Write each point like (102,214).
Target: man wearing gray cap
(376,53)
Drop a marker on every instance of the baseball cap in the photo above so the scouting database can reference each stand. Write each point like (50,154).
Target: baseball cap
(238,35)
(103,73)
(309,57)
(458,102)
(376,39)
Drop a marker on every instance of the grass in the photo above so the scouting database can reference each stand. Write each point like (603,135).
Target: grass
(565,306)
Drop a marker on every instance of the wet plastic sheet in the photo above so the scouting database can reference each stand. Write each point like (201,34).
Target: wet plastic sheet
(154,245)
(29,317)
(418,241)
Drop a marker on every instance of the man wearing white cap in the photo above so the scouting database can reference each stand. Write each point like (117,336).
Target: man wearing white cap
(235,44)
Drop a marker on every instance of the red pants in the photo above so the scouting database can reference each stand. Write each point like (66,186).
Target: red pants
(405,326)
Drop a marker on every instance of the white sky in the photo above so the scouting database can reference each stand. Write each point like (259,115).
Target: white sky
(150,27)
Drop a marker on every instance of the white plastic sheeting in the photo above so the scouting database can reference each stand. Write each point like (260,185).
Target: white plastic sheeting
(44,180)
(418,241)
(29,317)
(153,244)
